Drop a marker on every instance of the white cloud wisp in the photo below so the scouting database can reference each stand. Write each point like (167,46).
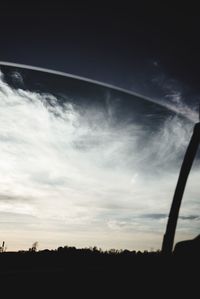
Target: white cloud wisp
(76,177)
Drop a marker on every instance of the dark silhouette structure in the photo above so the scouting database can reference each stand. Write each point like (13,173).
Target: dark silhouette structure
(168,239)
(188,247)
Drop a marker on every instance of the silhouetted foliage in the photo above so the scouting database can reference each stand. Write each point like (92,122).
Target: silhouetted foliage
(84,268)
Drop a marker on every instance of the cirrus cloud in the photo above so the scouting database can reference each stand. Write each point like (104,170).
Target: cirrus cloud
(81,176)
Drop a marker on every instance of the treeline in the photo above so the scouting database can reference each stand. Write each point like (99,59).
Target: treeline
(94,251)
(82,269)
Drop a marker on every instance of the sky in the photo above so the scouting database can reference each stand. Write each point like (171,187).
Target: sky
(155,56)
(120,45)
(90,177)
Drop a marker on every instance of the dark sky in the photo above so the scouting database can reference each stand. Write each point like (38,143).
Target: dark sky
(118,45)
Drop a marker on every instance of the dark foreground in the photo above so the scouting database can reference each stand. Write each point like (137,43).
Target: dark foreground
(73,273)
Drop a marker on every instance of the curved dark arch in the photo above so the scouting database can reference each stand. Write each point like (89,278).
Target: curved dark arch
(168,239)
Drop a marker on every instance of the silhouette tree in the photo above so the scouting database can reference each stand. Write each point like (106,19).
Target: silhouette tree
(168,239)
(34,247)
(3,248)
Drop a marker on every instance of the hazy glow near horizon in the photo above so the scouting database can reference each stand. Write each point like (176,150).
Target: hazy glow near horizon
(73,177)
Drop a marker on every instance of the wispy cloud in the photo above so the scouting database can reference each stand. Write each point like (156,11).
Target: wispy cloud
(163,216)
(74,172)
